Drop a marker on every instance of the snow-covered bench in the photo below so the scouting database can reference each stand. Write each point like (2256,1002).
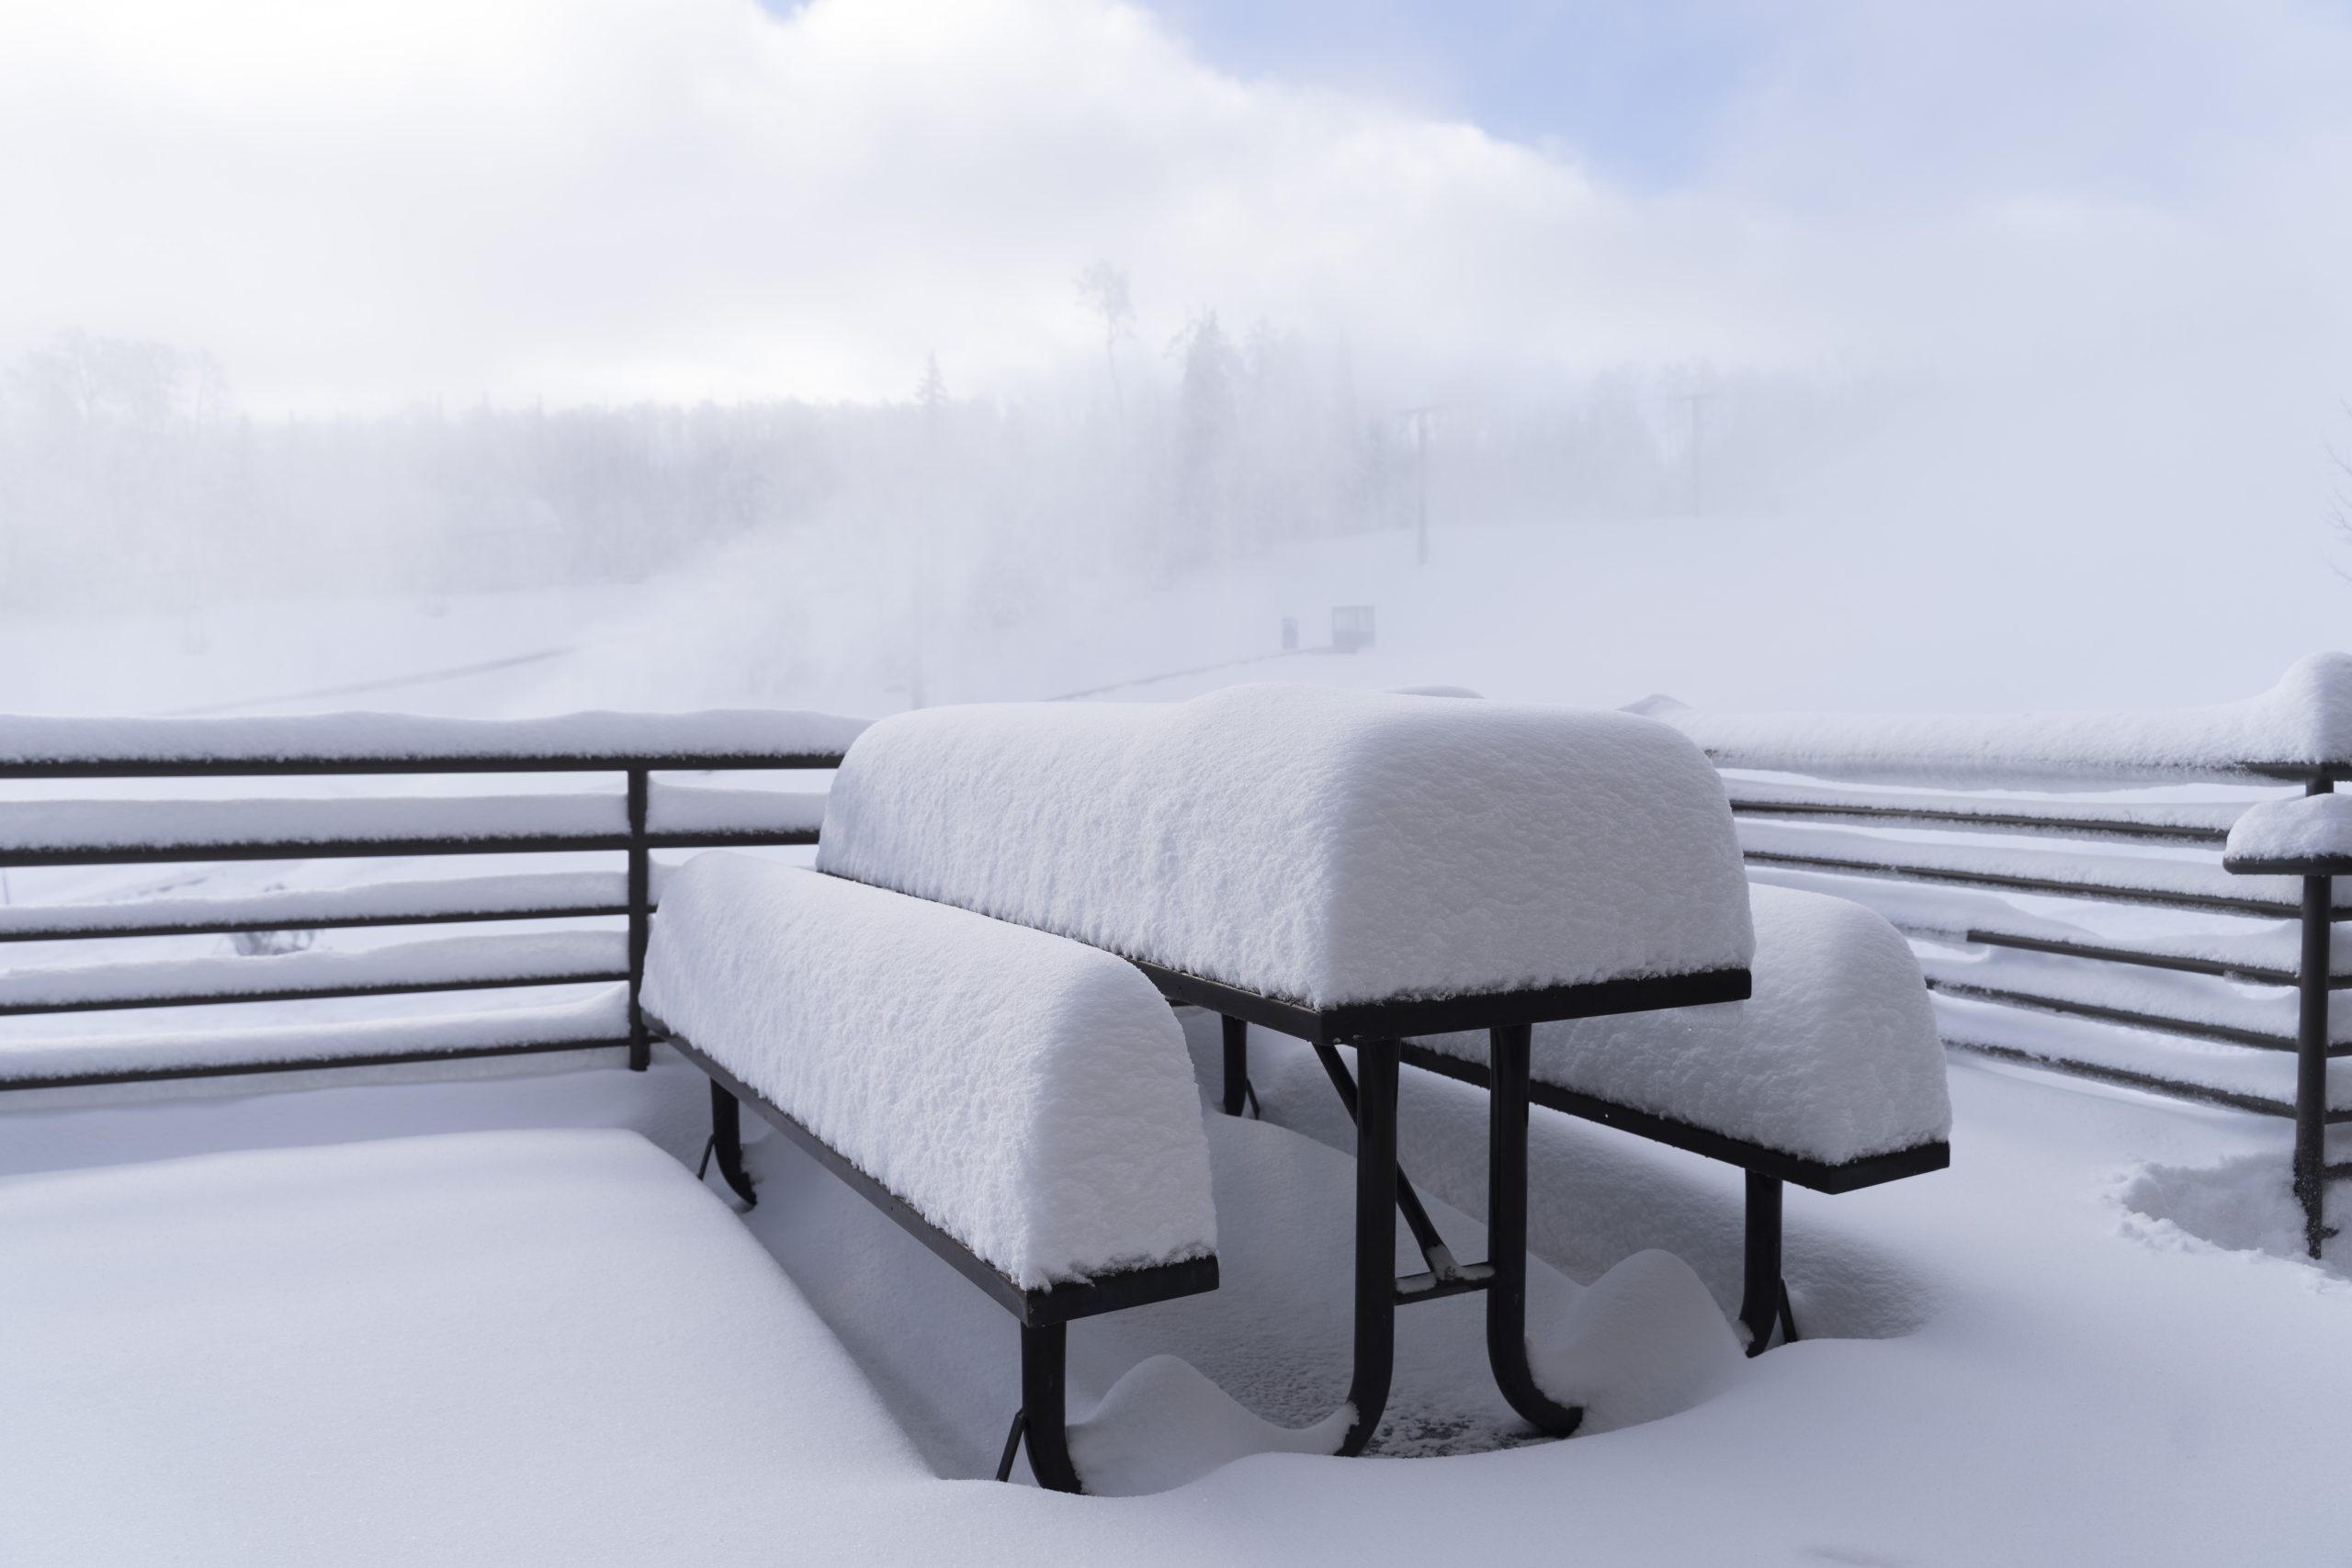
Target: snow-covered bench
(1830,1075)
(1024,1105)
(1345,867)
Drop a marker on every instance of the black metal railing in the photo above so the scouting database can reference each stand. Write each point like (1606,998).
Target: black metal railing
(2191,983)
(593,918)
(2071,913)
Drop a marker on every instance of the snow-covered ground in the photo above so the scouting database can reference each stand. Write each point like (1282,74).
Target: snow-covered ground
(256,1330)
(1731,614)
(535,1347)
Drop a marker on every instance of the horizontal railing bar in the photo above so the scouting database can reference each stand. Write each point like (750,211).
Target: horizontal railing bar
(270,767)
(2147,897)
(2125,1077)
(391,848)
(315,923)
(306,993)
(2219,1033)
(2222,969)
(2075,826)
(303,1064)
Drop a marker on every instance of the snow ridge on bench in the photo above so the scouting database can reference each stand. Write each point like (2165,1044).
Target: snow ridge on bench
(1835,1058)
(1028,1096)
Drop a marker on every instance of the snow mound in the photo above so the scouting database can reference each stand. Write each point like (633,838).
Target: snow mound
(1164,1424)
(1321,845)
(1645,1340)
(1833,1058)
(2301,827)
(2246,1204)
(1031,1096)
(2305,719)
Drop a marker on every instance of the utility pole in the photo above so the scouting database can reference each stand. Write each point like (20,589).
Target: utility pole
(1420,418)
(1697,495)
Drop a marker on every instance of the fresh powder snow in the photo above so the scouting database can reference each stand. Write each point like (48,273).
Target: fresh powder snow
(1028,1095)
(1317,844)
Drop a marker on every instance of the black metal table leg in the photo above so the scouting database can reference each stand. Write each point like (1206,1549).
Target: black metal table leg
(1375,1342)
(1439,1257)
(1236,1063)
(1508,1050)
(1043,1420)
(1763,1296)
(727,1142)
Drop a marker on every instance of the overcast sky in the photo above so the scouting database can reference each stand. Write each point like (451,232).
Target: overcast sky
(357,205)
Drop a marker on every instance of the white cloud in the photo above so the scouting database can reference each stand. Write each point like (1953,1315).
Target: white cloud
(360,204)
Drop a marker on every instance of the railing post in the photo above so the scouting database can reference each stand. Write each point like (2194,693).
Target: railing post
(640,918)
(2311,1049)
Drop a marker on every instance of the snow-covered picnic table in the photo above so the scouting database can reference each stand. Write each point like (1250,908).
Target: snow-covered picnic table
(1348,868)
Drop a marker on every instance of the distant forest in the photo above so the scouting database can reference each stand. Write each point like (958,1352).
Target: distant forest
(130,476)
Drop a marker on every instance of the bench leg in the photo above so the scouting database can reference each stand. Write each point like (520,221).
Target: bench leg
(1508,1050)
(1043,1421)
(726,1141)
(1764,1297)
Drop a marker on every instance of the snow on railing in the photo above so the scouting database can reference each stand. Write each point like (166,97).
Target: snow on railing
(270,871)
(392,742)
(2061,878)
(2301,728)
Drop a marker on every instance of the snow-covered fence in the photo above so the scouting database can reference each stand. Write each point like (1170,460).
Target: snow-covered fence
(2061,878)
(590,887)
